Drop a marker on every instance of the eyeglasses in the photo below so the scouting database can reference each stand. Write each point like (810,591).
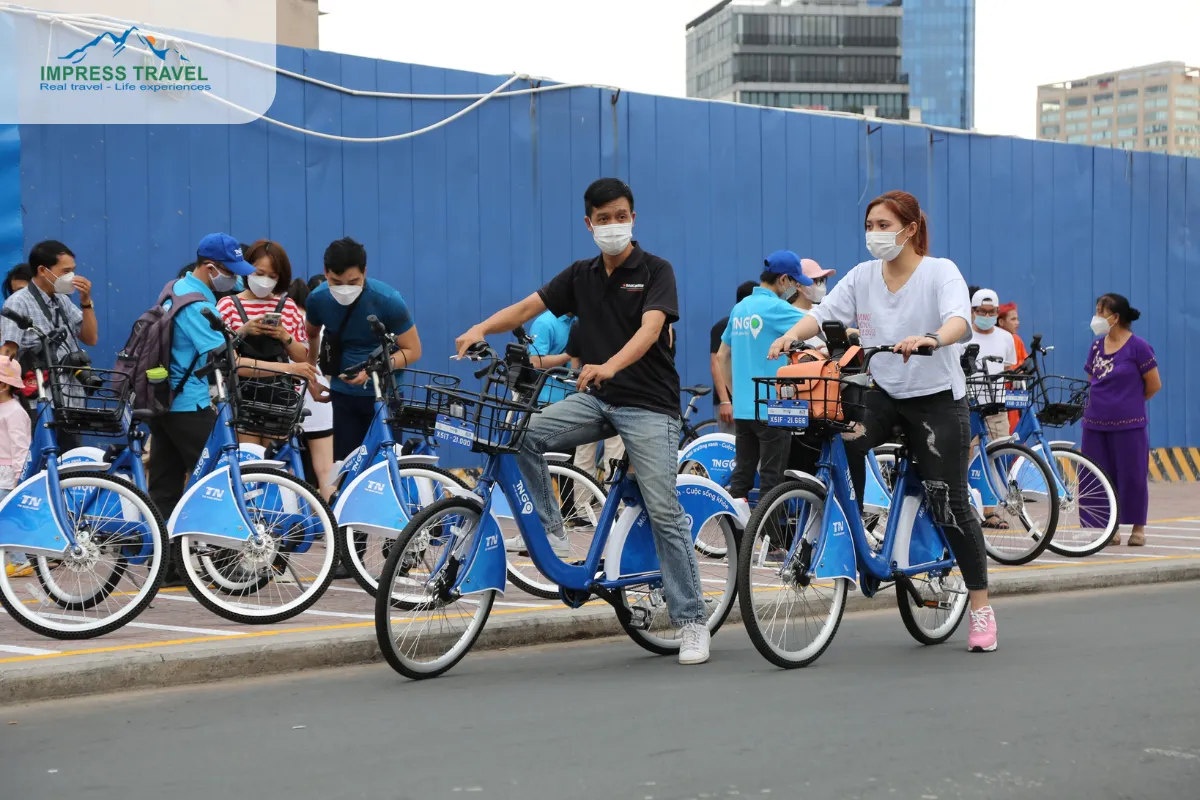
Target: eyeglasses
(987,312)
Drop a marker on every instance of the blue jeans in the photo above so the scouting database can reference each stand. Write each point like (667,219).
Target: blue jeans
(652,445)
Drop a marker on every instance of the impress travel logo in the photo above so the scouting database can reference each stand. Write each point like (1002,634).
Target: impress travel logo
(165,67)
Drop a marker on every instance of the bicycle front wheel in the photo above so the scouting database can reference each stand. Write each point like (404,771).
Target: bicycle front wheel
(282,569)
(790,614)
(1019,526)
(365,553)
(111,574)
(422,628)
(1088,506)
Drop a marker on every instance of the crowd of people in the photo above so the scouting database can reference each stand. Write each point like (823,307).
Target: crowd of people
(612,317)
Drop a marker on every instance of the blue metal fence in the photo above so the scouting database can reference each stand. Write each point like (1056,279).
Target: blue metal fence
(478,213)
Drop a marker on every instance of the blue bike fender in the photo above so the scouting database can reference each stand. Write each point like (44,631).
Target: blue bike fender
(630,548)
(82,455)
(27,519)
(835,557)
(875,496)
(209,510)
(917,540)
(715,452)
(487,568)
(371,503)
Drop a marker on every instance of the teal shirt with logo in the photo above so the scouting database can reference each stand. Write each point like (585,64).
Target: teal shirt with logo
(753,324)
(550,334)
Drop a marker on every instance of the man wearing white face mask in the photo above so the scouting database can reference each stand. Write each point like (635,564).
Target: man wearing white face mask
(625,299)
(45,302)
(341,306)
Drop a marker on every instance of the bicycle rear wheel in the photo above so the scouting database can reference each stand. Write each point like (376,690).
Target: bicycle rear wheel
(934,625)
(1090,513)
(790,614)
(111,575)
(280,575)
(421,628)
(364,554)
(1026,504)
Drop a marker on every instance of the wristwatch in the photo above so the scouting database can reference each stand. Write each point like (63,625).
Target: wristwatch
(86,305)
(937,339)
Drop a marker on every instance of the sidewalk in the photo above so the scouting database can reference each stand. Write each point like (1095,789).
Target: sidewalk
(176,641)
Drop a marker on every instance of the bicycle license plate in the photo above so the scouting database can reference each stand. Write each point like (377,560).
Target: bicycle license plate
(787,413)
(1016,400)
(454,431)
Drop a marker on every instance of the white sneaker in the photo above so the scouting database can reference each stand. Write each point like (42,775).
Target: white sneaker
(561,545)
(514,544)
(694,649)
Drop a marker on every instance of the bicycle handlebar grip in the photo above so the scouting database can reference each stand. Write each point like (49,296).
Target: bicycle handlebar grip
(376,326)
(519,333)
(23,322)
(923,351)
(214,321)
(1036,342)
(355,369)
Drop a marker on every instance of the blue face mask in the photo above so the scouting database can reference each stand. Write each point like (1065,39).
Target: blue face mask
(985,323)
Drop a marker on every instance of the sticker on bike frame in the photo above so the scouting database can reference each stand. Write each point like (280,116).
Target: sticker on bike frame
(787,413)
(454,431)
(1016,400)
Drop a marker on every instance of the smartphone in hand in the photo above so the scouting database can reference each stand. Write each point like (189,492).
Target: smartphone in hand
(272,318)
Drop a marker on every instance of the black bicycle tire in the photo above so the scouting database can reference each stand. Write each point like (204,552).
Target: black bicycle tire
(382,605)
(165,549)
(1115,511)
(903,602)
(178,554)
(745,559)
(344,530)
(1048,476)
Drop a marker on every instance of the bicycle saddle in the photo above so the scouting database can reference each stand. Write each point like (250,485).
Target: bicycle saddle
(698,391)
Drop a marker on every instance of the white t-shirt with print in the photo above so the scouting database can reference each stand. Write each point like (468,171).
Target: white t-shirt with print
(997,343)
(934,293)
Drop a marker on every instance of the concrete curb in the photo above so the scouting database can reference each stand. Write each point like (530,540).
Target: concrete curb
(185,664)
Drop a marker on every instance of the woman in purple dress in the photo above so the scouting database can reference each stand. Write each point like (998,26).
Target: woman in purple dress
(1123,375)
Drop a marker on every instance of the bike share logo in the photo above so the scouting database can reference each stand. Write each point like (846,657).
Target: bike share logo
(374,487)
(526,503)
(356,460)
(212,493)
(752,323)
(31,502)
(691,523)
(200,466)
(157,73)
(723,463)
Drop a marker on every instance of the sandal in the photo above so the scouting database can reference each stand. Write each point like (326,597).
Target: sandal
(993,522)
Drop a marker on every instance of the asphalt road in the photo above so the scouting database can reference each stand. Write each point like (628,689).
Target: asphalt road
(1092,695)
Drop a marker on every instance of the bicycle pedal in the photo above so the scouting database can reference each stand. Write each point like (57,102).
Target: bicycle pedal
(640,618)
(940,605)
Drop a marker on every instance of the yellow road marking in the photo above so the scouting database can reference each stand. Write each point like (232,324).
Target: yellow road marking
(1184,467)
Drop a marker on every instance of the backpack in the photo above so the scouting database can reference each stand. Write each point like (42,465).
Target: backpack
(263,348)
(149,348)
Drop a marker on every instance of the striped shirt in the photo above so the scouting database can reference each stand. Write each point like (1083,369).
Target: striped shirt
(64,314)
(293,318)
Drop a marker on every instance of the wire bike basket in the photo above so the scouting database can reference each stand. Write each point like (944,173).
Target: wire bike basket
(90,401)
(802,403)
(1060,400)
(998,392)
(417,399)
(269,404)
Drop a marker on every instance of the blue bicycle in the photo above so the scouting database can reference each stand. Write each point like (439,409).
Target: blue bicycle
(99,545)
(254,543)
(449,564)
(806,545)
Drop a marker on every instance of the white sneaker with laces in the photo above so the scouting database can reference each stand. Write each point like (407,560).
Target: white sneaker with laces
(561,545)
(514,544)
(694,649)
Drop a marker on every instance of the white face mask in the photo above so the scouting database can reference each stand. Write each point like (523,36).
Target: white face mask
(882,245)
(261,285)
(816,292)
(613,239)
(345,295)
(1100,325)
(65,284)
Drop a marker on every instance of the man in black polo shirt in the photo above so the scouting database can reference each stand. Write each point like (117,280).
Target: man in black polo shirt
(624,300)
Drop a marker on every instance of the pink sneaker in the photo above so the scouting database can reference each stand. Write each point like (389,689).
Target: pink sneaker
(982,638)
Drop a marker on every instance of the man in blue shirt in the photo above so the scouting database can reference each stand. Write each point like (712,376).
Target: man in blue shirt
(754,323)
(179,435)
(549,349)
(341,306)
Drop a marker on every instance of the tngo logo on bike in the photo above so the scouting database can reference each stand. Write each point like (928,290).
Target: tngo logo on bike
(374,487)
(526,503)
(30,501)
(212,493)
(752,323)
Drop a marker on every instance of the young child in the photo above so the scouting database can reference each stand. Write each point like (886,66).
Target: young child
(14,440)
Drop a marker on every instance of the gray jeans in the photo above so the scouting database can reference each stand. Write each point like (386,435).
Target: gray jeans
(652,445)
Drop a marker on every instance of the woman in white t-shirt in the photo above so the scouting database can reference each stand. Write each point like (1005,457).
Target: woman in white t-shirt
(909,298)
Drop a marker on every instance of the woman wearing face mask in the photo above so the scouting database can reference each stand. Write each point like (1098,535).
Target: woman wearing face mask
(907,297)
(271,325)
(1011,322)
(1123,374)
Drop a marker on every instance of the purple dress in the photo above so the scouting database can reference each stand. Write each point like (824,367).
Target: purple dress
(1114,429)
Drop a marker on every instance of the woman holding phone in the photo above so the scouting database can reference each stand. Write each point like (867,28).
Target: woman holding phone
(271,325)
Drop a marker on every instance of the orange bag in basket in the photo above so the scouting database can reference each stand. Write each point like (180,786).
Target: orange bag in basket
(824,393)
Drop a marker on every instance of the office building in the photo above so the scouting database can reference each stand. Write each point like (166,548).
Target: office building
(839,55)
(939,58)
(1155,108)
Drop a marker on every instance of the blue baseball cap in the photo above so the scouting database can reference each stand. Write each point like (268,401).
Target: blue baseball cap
(225,250)
(785,262)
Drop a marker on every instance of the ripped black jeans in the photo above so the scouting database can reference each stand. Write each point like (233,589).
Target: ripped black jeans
(938,430)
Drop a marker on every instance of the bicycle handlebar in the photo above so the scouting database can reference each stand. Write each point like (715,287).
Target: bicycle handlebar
(23,322)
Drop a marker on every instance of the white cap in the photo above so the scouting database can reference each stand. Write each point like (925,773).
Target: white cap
(984,297)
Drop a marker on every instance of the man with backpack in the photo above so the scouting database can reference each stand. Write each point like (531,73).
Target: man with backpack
(181,428)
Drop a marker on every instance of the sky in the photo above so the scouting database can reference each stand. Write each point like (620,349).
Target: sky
(638,45)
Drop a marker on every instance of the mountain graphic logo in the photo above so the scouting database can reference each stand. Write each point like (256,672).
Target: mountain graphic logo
(79,54)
